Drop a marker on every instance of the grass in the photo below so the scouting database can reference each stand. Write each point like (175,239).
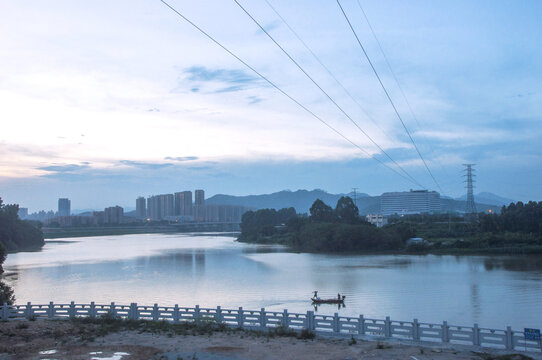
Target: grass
(89,329)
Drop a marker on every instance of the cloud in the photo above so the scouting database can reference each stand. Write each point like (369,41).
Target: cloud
(202,73)
(68,168)
(269,27)
(145,165)
(230,89)
(254,100)
(181,158)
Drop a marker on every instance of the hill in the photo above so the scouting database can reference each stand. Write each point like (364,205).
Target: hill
(489,199)
(302,200)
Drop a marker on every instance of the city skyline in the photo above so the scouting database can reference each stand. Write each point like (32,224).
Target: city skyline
(128,105)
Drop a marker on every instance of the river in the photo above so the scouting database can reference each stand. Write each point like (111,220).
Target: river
(211,270)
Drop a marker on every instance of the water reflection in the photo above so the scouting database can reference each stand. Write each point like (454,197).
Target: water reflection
(511,263)
(214,270)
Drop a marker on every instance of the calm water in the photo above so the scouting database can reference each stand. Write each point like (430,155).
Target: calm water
(214,270)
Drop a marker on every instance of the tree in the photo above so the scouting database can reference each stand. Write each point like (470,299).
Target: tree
(320,212)
(346,211)
(6,292)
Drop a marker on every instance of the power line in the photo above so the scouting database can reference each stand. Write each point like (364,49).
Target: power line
(387,94)
(282,91)
(327,69)
(324,92)
(396,79)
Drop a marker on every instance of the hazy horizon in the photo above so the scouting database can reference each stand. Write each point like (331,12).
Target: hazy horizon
(105,101)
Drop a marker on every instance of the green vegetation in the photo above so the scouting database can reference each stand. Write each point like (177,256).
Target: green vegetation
(89,329)
(516,230)
(325,230)
(17,234)
(6,293)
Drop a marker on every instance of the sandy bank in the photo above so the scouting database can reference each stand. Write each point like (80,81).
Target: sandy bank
(45,339)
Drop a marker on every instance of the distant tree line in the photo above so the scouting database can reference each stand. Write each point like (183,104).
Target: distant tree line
(516,217)
(17,234)
(517,229)
(325,230)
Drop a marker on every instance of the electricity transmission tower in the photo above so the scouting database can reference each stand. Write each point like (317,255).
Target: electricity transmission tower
(471,206)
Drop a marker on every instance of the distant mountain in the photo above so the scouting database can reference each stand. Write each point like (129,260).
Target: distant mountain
(488,198)
(302,200)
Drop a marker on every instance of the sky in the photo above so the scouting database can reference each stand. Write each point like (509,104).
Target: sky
(103,101)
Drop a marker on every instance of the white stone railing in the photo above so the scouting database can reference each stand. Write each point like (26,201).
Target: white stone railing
(328,325)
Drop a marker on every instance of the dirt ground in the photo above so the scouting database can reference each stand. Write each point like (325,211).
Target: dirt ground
(44,339)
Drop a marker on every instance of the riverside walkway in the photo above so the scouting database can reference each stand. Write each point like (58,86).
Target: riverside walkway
(263,320)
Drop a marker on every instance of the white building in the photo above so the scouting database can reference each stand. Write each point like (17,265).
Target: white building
(377,219)
(409,202)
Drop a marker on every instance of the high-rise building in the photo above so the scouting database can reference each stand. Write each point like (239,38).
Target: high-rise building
(410,202)
(154,207)
(199,197)
(113,215)
(141,207)
(167,205)
(183,203)
(64,207)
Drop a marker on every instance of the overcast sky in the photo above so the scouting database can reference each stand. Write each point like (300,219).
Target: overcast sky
(103,101)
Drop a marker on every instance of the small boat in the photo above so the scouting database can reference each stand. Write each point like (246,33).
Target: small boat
(317,300)
(328,301)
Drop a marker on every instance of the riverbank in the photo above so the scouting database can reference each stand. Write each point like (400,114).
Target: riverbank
(121,340)
(69,232)
(59,233)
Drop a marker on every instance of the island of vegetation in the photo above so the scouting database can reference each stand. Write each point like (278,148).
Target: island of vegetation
(517,229)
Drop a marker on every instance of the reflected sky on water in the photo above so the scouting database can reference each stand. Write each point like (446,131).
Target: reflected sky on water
(212,270)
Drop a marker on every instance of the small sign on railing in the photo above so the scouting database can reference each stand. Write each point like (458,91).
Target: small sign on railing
(531,334)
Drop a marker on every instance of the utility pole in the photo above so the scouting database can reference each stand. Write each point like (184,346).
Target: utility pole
(471,206)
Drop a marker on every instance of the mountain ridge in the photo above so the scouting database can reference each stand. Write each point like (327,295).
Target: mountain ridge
(302,200)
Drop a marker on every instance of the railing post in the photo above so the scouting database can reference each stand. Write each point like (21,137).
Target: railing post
(72,310)
(336,323)
(240,317)
(113,310)
(476,335)
(155,312)
(92,310)
(134,312)
(5,312)
(445,337)
(310,320)
(28,311)
(263,319)
(361,325)
(387,327)
(416,330)
(509,338)
(51,310)
(218,317)
(176,313)
(285,322)
(196,314)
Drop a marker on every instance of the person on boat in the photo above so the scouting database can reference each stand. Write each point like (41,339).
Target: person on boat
(338,296)
(315,294)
